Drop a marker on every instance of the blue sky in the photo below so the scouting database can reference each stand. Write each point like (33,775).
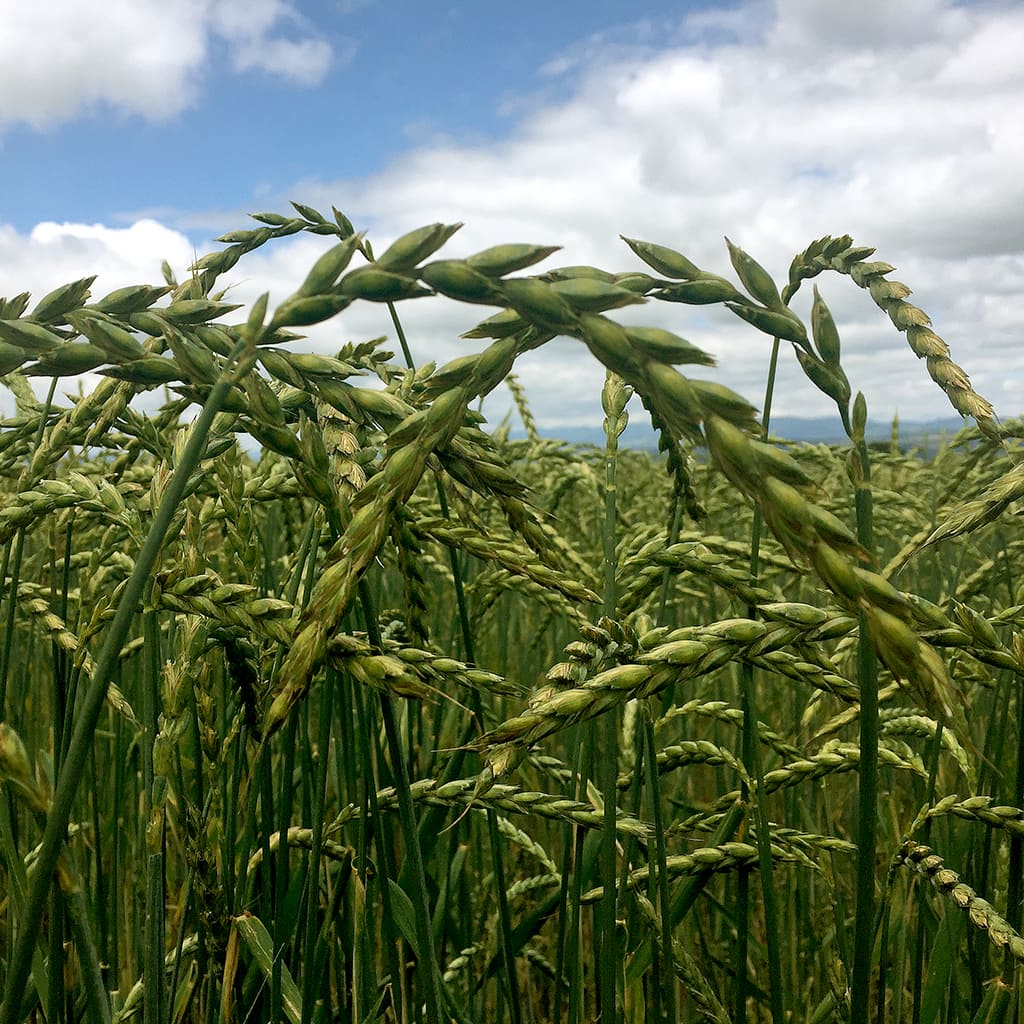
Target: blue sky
(138,130)
(376,79)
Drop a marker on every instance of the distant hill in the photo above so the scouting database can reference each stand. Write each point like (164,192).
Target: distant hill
(814,430)
(828,430)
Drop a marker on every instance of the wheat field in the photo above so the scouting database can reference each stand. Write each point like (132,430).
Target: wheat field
(321,699)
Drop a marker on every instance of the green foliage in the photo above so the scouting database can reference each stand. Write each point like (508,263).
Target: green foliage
(399,719)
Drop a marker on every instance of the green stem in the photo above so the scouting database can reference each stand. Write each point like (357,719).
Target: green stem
(1016,861)
(918,975)
(661,856)
(309,974)
(576,993)
(402,340)
(284,812)
(614,399)
(608,765)
(455,764)
(741,986)
(370,778)
(407,815)
(153,969)
(752,758)
(12,565)
(572,838)
(682,900)
(867,802)
(97,1002)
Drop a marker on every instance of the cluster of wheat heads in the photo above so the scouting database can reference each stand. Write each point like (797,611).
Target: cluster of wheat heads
(404,719)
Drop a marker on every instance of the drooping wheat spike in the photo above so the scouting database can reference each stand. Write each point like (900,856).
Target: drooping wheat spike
(690,752)
(16,772)
(458,963)
(686,969)
(984,509)
(974,586)
(808,532)
(531,885)
(301,837)
(415,589)
(523,407)
(26,403)
(839,254)
(722,711)
(507,798)
(473,460)
(843,719)
(606,642)
(29,508)
(134,1001)
(680,656)
(699,556)
(925,862)
(516,559)
(273,225)
(400,669)
(774,317)
(808,663)
(526,842)
(900,722)
(489,585)
(33,601)
(679,466)
(16,439)
(809,843)
(977,808)
(833,758)
(727,857)
(411,445)
(106,401)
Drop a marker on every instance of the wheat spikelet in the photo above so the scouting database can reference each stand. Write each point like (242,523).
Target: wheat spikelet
(890,296)
(833,758)
(925,862)
(727,857)
(685,967)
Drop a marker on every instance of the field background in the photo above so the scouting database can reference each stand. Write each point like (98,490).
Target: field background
(331,705)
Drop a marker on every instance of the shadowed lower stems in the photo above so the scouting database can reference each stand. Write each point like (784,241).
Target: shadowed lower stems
(867,804)
(93,700)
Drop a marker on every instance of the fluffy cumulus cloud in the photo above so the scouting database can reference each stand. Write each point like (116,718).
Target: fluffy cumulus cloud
(774,124)
(144,57)
(55,254)
(249,30)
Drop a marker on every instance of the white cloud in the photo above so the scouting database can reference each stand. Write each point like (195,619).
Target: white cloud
(773,124)
(247,28)
(146,57)
(53,254)
(59,58)
(305,60)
